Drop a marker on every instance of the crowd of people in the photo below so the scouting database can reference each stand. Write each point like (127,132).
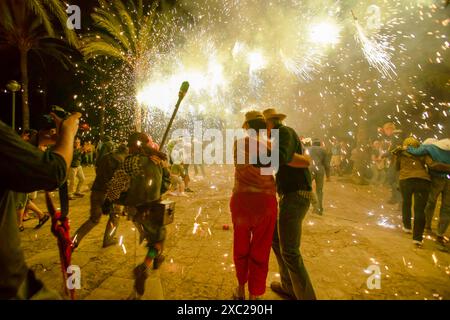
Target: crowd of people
(267,211)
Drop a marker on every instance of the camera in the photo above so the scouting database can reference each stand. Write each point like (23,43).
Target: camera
(60,112)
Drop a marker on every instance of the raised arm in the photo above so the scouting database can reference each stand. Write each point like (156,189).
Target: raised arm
(300,161)
(25,168)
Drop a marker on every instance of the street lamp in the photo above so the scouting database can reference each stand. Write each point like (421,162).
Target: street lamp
(13,86)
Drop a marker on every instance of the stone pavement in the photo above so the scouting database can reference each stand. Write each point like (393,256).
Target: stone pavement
(356,231)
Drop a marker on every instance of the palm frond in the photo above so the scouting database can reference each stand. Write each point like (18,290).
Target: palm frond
(56,49)
(127,23)
(6,19)
(57,9)
(91,49)
(40,11)
(111,25)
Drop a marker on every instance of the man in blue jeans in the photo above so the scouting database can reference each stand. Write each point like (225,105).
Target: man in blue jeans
(439,151)
(294,189)
(319,168)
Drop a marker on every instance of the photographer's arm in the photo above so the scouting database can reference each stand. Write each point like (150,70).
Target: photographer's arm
(25,168)
(68,130)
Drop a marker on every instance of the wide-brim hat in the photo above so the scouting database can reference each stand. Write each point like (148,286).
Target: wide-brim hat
(253,115)
(271,113)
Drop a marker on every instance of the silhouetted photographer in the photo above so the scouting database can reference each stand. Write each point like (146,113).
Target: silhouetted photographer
(25,168)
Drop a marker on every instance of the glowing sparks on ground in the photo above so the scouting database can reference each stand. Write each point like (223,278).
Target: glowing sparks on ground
(196,225)
(435,260)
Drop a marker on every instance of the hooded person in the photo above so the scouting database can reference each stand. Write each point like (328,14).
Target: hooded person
(439,151)
(139,184)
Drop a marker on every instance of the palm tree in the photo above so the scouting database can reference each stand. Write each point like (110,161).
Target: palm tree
(131,33)
(29,25)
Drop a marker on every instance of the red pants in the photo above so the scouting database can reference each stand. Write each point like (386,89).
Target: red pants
(254,216)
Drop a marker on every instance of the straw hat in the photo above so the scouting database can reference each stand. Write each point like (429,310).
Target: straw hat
(253,115)
(271,113)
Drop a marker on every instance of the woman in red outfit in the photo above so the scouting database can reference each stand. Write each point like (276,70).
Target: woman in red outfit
(254,212)
(254,209)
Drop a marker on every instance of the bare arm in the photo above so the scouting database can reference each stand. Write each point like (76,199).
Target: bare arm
(300,161)
(66,136)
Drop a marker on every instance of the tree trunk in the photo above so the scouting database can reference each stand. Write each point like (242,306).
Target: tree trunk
(24,75)
(138,116)
(102,121)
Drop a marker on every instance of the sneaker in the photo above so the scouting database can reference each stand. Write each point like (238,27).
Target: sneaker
(278,289)
(441,240)
(406,230)
(418,244)
(319,212)
(441,244)
(140,275)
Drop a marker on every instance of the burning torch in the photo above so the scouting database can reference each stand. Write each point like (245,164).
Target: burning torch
(183,90)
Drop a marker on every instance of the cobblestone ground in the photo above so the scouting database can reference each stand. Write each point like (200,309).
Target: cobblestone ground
(356,231)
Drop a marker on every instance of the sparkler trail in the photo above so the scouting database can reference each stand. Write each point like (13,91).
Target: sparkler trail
(376,53)
(303,67)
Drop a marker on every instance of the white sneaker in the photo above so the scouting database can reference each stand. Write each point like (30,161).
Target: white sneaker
(418,244)
(408,231)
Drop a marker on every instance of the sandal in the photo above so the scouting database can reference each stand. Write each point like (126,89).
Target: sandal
(42,222)
(236,295)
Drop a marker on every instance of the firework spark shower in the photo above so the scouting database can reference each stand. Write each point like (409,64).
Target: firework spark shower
(238,54)
(259,149)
